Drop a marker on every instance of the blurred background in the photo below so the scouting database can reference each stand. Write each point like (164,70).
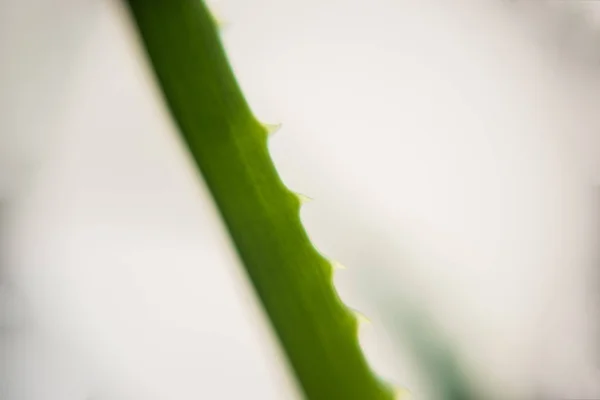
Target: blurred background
(451,149)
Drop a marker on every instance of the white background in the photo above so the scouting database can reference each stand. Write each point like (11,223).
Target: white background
(451,150)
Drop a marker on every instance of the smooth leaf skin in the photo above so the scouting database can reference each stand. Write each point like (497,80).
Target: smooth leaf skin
(293,281)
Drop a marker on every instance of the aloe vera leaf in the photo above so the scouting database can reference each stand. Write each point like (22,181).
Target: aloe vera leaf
(229,146)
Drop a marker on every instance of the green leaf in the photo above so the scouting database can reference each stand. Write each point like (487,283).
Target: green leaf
(229,145)
(433,353)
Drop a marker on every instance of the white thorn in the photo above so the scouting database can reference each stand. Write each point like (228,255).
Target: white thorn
(216,16)
(336,265)
(402,394)
(303,198)
(271,128)
(361,318)
(221,23)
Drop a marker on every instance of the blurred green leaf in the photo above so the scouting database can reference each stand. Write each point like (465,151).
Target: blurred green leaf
(432,353)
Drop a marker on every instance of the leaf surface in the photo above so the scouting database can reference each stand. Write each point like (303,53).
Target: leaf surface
(229,146)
